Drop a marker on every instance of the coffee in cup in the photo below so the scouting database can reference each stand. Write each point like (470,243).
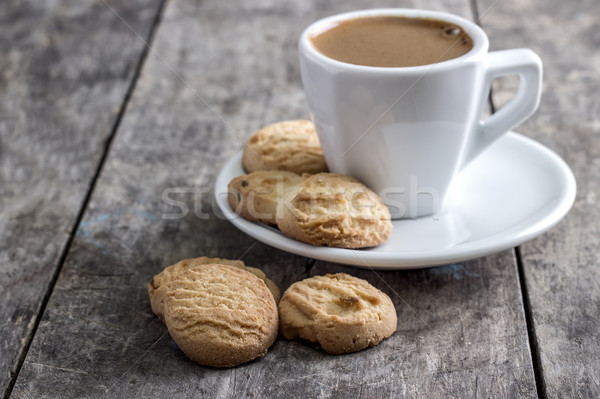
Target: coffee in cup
(390,41)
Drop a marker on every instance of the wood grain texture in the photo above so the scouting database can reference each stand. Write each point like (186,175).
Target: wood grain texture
(562,267)
(219,71)
(65,70)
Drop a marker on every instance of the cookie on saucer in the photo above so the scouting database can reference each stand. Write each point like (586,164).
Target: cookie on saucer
(220,315)
(292,146)
(340,312)
(335,210)
(258,196)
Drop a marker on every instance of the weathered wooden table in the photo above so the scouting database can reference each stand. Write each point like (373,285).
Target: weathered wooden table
(107,105)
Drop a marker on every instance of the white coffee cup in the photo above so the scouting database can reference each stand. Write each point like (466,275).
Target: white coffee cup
(406,132)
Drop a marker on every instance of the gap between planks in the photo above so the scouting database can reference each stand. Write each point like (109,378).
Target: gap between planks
(533,344)
(92,185)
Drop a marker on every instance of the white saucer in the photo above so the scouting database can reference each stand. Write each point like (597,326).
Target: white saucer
(514,191)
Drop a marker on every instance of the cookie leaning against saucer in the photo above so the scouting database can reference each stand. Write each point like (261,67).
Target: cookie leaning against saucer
(158,286)
(335,210)
(290,145)
(220,315)
(256,195)
(341,312)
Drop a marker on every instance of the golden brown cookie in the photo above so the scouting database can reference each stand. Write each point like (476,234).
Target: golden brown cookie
(258,196)
(220,315)
(290,145)
(340,312)
(157,287)
(335,210)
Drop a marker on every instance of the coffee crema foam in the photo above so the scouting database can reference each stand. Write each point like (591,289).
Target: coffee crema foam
(392,41)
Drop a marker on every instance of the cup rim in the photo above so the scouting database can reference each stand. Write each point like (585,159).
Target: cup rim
(480,40)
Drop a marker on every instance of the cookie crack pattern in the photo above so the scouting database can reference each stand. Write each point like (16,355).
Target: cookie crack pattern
(340,312)
(219,315)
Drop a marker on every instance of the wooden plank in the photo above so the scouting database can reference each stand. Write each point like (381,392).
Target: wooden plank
(561,268)
(462,330)
(65,70)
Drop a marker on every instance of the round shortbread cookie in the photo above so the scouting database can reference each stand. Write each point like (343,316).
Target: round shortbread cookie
(290,145)
(220,315)
(258,196)
(335,210)
(341,312)
(158,286)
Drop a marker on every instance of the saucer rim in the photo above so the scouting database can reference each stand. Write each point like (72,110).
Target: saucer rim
(369,258)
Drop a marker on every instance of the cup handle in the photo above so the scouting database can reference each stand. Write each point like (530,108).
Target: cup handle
(528,66)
